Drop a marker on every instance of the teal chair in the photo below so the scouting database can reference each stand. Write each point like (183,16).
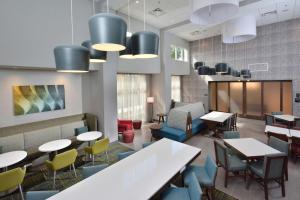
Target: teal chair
(81,130)
(147,144)
(277,113)
(272,169)
(40,195)
(231,135)
(91,170)
(269,119)
(206,175)
(230,163)
(297,123)
(123,155)
(281,146)
(191,192)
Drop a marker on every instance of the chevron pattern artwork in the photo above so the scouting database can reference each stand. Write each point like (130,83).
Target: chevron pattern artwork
(38,98)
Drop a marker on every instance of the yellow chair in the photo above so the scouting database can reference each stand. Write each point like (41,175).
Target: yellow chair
(61,161)
(99,147)
(11,179)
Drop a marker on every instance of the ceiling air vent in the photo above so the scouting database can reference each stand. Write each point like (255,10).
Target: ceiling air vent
(157,12)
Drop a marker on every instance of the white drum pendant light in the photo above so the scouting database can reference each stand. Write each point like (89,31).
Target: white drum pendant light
(239,30)
(207,12)
(108,32)
(71,58)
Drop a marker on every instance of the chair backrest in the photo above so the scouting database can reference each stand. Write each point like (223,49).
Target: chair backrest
(297,122)
(231,135)
(234,119)
(277,113)
(64,159)
(12,178)
(211,168)
(123,155)
(194,188)
(40,195)
(296,141)
(221,152)
(81,130)
(269,119)
(91,170)
(100,146)
(279,136)
(279,144)
(280,125)
(274,165)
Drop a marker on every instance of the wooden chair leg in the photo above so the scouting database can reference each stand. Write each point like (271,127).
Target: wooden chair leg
(212,193)
(286,173)
(266,190)
(226,177)
(245,175)
(282,187)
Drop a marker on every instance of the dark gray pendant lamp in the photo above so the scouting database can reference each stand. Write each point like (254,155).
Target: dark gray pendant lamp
(71,58)
(197,65)
(95,55)
(221,68)
(236,73)
(108,32)
(245,72)
(203,70)
(229,71)
(145,43)
(127,53)
(212,71)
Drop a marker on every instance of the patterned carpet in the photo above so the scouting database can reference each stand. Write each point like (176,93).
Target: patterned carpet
(40,180)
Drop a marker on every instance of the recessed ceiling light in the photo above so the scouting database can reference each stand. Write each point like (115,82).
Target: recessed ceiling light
(137,1)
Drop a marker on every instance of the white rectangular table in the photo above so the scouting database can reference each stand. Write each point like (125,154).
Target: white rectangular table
(250,147)
(295,133)
(214,118)
(278,130)
(289,119)
(138,176)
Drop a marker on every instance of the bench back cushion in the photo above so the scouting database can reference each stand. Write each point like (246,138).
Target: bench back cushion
(197,109)
(41,136)
(12,142)
(68,130)
(177,119)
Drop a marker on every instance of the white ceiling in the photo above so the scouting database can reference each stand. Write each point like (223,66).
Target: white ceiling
(176,14)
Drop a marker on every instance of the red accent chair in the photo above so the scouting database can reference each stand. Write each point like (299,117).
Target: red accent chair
(137,124)
(128,136)
(124,125)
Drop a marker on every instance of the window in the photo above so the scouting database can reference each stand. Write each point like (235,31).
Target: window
(132,95)
(176,88)
(179,54)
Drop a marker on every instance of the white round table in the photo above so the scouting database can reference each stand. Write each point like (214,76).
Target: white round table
(10,158)
(89,136)
(55,145)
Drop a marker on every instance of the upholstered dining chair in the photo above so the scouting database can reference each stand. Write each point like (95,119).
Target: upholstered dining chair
(281,146)
(231,135)
(269,119)
(88,171)
(297,123)
(40,195)
(233,125)
(295,148)
(62,160)
(123,155)
(191,192)
(272,169)
(206,175)
(98,147)
(230,163)
(277,113)
(81,130)
(11,179)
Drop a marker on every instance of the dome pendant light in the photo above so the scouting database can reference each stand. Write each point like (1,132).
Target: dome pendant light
(71,58)
(145,43)
(108,31)
(95,55)
(127,53)
(208,12)
(203,70)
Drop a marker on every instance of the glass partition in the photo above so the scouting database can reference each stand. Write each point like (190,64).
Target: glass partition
(236,97)
(271,96)
(223,97)
(287,97)
(213,96)
(253,98)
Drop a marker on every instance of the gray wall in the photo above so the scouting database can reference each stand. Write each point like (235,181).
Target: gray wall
(277,44)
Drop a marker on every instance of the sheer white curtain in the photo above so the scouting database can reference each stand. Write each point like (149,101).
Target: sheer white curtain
(176,88)
(132,95)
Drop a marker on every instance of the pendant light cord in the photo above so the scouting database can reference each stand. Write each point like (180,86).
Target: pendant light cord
(72,23)
(94,10)
(128,13)
(245,54)
(144,15)
(107,6)
(212,46)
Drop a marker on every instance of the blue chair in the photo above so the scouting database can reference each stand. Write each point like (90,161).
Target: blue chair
(231,135)
(230,163)
(123,155)
(272,169)
(191,192)
(40,195)
(147,144)
(91,170)
(80,130)
(281,146)
(206,174)
(269,119)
